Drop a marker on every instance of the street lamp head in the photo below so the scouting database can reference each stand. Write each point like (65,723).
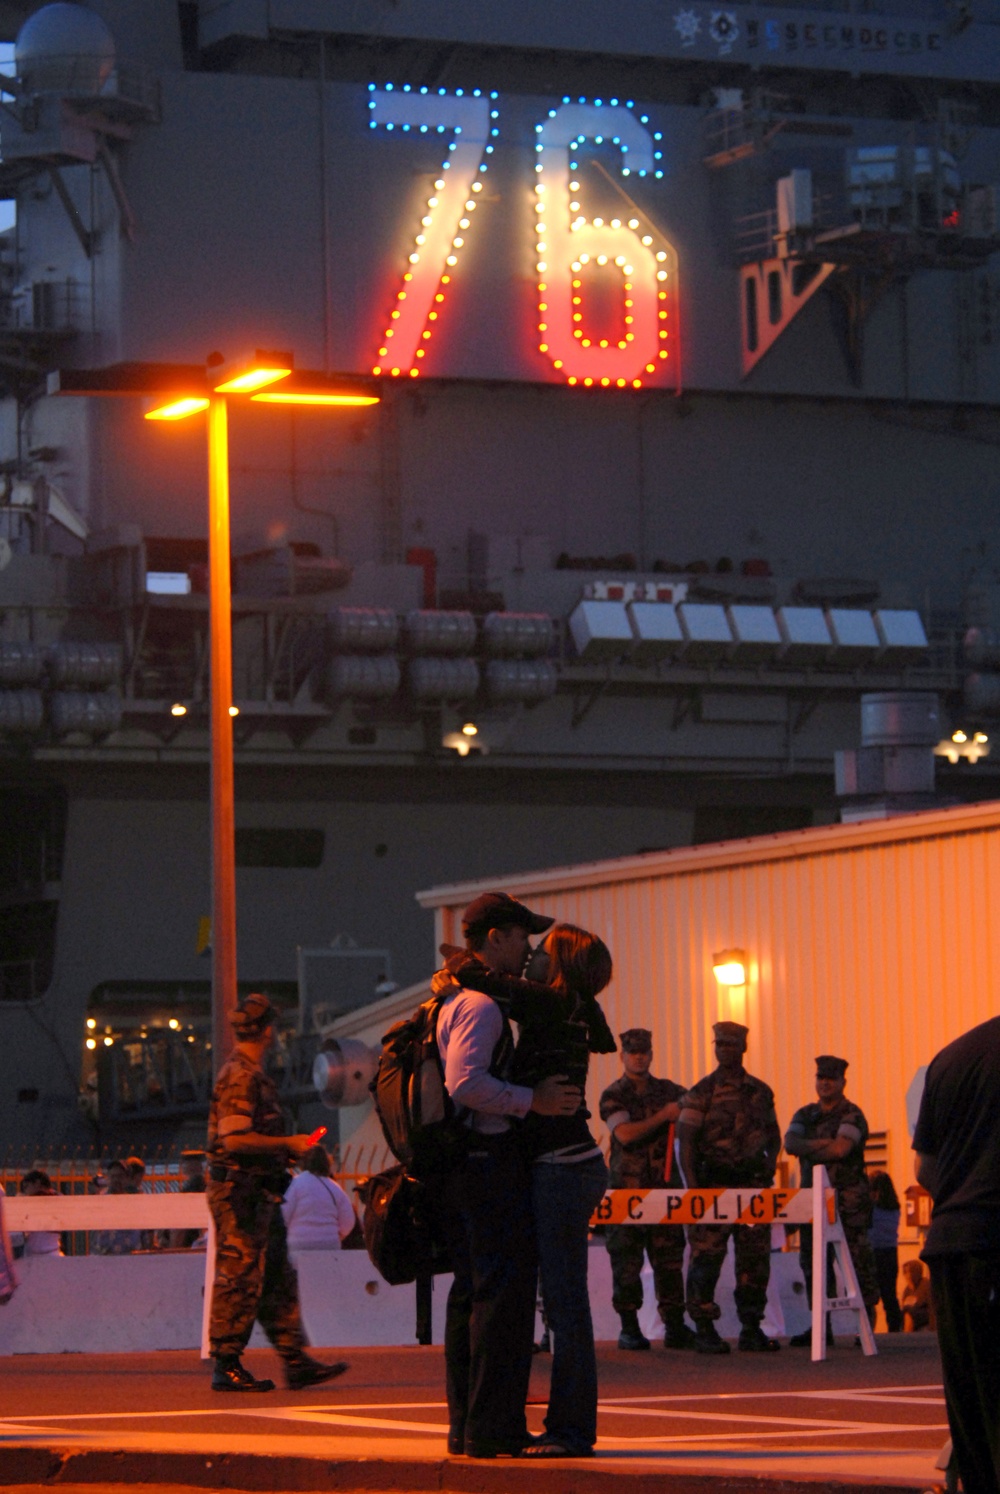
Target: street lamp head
(177,409)
(312,397)
(253,371)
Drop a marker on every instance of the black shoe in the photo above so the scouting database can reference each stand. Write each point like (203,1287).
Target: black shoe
(753,1340)
(707,1340)
(679,1336)
(629,1340)
(487,1449)
(229,1374)
(302,1372)
(456,1444)
(804,1340)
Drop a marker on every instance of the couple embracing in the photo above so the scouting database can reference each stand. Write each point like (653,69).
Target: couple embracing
(520,1199)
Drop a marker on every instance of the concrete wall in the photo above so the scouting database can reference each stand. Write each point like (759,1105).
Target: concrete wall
(133,1304)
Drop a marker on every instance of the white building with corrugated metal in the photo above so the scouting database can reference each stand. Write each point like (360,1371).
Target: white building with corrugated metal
(878,941)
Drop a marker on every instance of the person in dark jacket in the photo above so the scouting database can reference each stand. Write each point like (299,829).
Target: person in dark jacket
(560,1024)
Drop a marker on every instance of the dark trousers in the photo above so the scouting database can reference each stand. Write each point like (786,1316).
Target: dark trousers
(628,1245)
(254,1278)
(752,1250)
(966,1293)
(490,1321)
(887,1274)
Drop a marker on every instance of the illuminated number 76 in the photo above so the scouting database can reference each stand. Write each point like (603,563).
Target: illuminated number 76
(577,254)
(470,119)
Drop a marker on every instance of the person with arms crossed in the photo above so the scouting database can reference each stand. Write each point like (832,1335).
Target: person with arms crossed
(641,1112)
(833,1132)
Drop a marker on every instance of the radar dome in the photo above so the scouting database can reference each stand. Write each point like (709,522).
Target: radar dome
(64,49)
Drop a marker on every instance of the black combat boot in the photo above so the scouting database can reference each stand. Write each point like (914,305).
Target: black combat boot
(707,1340)
(753,1340)
(677,1334)
(631,1336)
(229,1374)
(301,1371)
(804,1339)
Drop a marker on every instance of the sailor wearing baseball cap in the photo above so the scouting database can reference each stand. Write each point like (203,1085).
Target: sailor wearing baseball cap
(486,1198)
(248,1152)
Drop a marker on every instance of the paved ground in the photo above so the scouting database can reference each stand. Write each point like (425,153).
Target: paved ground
(668,1421)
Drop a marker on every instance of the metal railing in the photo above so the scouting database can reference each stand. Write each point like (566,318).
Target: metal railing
(53,307)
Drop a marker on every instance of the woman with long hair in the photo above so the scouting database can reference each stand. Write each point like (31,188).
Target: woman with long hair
(560,1024)
(884,1238)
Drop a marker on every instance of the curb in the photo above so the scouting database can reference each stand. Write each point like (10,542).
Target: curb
(302,1475)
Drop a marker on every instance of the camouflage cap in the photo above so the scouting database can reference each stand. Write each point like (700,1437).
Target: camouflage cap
(829,1067)
(636,1040)
(732,1032)
(253,1015)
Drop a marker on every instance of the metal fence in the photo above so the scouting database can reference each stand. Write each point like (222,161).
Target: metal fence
(78,1171)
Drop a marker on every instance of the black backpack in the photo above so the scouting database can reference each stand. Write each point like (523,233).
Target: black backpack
(417,1115)
(398,1228)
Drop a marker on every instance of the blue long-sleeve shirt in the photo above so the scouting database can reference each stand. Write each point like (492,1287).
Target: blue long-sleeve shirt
(469,1027)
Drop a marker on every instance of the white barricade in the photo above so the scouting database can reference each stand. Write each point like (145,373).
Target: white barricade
(759,1206)
(132,1211)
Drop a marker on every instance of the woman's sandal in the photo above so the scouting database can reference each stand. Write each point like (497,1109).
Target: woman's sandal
(551,1447)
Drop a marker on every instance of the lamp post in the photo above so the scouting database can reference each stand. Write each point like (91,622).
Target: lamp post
(188,391)
(220,633)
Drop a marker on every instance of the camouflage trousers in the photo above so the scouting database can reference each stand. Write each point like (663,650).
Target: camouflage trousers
(254,1278)
(861,1254)
(752,1245)
(627,1245)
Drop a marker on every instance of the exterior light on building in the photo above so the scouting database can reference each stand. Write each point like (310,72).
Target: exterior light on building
(174,1025)
(108,1042)
(91,1023)
(91,1042)
(470,730)
(730,967)
(960,747)
(178,710)
(234,710)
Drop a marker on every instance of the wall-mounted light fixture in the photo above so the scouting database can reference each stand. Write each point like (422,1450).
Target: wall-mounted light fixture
(730,967)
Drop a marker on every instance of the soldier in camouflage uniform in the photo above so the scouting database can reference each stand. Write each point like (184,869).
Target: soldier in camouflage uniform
(248,1152)
(833,1132)
(729,1138)
(640,1112)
